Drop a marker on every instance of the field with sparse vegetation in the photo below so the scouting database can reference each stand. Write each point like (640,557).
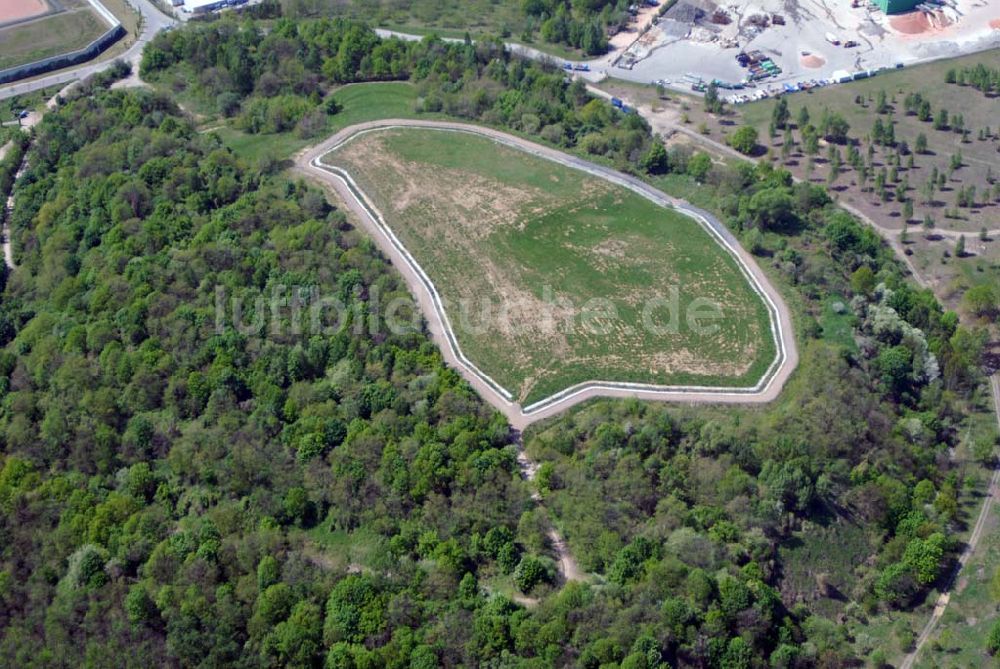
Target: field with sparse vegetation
(496,228)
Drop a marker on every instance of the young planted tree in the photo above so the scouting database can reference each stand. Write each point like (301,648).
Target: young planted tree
(802,119)
(941,119)
(780,114)
(924,111)
(882,104)
(713,103)
(835,163)
(744,140)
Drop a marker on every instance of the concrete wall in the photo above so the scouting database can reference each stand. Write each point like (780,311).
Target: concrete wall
(89,52)
(111,19)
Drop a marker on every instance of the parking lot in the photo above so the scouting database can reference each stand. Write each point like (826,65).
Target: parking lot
(812,42)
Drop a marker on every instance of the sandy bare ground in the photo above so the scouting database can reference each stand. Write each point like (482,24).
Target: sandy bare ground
(8,250)
(643,18)
(8,253)
(308,161)
(33,118)
(15,10)
(568,566)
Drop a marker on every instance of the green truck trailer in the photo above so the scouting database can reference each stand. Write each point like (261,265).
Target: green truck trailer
(897,6)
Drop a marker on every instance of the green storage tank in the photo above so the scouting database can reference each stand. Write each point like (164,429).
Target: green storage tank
(897,6)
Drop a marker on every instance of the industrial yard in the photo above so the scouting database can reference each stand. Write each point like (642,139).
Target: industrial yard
(807,42)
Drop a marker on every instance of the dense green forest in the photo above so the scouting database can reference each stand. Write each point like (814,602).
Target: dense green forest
(278,81)
(176,491)
(578,24)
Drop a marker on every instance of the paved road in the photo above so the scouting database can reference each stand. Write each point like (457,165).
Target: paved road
(520,417)
(153,21)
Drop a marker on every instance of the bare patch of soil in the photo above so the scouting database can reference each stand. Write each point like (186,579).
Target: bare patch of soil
(812,61)
(919,23)
(484,203)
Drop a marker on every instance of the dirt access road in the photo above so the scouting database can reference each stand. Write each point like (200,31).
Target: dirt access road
(430,302)
(944,598)
(26,124)
(892,238)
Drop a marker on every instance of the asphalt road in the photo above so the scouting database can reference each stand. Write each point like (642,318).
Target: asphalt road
(153,21)
(430,303)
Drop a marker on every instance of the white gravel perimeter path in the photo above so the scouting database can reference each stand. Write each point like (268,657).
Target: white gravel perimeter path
(766,390)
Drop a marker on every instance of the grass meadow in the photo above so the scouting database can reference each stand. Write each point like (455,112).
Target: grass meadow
(495,226)
(359,103)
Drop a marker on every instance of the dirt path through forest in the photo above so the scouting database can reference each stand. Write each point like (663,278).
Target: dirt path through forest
(892,238)
(970,547)
(308,163)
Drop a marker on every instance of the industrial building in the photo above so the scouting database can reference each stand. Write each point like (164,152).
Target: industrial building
(205,6)
(897,6)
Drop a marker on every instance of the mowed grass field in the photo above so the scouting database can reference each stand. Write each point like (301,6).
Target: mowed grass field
(50,35)
(551,277)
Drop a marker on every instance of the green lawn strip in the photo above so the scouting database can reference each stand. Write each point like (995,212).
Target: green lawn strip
(818,564)
(551,48)
(359,102)
(961,635)
(837,323)
(347,550)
